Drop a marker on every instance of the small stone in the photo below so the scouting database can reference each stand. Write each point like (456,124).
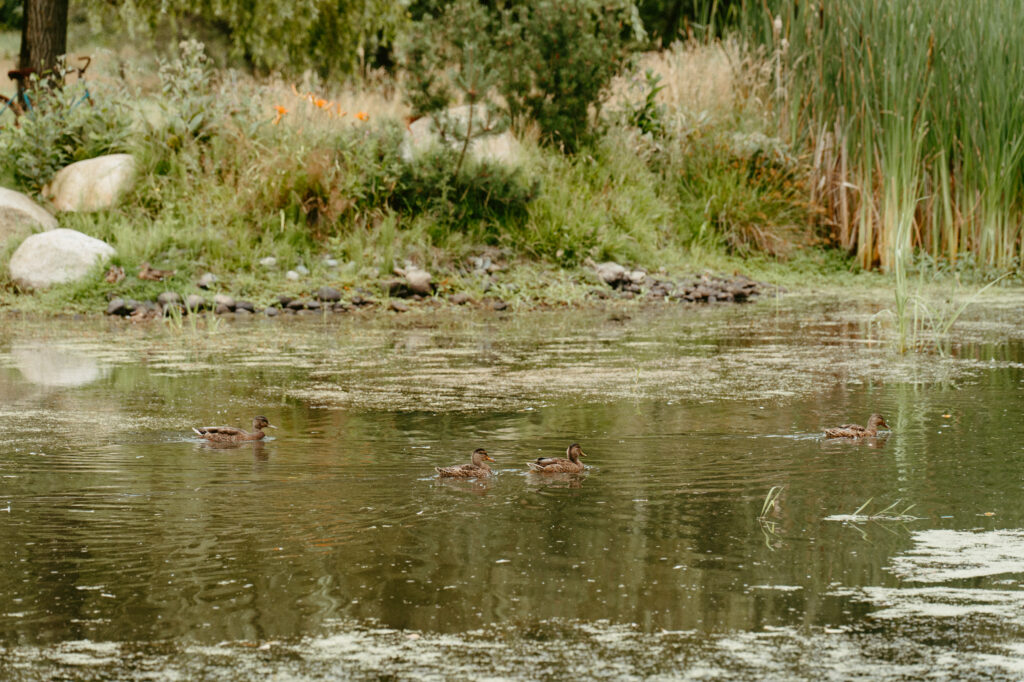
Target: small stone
(292,276)
(245,305)
(419,281)
(312,305)
(599,293)
(460,298)
(328,295)
(331,262)
(119,306)
(284,299)
(637,276)
(302,270)
(271,311)
(339,308)
(305,312)
(224,300)
(195,302)
(242,312)
(207,280)
(222,309)
(611,273)
(398,305)
(499,305)
(360,301)
(268,262)
(168,298)
(297,304)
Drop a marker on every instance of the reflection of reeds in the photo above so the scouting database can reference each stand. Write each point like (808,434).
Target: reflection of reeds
(887,514)
(771,504)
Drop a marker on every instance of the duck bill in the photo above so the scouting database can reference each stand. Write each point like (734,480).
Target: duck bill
(271,426)
(488,458)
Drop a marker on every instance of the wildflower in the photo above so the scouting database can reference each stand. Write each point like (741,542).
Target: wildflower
(340,112)
(363,116)
(281,111)
(321,103)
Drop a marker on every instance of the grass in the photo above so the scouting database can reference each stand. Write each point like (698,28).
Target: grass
(918,129)
(235,169)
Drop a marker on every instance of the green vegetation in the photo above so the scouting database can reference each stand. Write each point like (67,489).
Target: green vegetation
(915,114)
(714,153)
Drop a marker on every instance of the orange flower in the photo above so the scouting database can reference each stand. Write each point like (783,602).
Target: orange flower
(321,103)
(363,116)
(340,112)
(281,111)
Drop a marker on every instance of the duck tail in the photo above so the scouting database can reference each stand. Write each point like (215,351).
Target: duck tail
(198,432)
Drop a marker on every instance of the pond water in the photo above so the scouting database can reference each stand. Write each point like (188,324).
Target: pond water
(133,550)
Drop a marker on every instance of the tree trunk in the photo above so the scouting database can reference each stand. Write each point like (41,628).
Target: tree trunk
(44,34)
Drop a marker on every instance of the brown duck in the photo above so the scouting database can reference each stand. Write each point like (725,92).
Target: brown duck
(560,465)
(229,434)
(475,469)
(875,422)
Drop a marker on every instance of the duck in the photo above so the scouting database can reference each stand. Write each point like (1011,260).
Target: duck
(475,469)
(229,434)
(560,465)
(875,422)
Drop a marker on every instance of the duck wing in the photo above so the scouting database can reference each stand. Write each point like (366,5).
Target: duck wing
(846,431)
(462,471)
(555,465)
(218,431)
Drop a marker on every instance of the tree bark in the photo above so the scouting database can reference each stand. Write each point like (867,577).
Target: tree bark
(44,34)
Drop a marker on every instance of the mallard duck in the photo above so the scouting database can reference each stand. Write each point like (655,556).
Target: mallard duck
(229,434)
(875,422)
(560,465)
(475,469)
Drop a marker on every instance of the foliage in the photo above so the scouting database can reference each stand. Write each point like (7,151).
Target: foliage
(550,62)
(329,36)
(917,129)
(10,14)
(648,116)
(670,20)
(61,127)
(559,58)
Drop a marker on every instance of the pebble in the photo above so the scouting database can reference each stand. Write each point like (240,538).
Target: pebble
(119,306)
(242,312)
(284,299)
(461,298)
(224,300)
(168,298)
(398,305)
(331,262)
(221,309)
(328,295)
(499,305)
(419,281)
(268,262)
(302,270)
(207,280)
(247,306)
(292,276)
(195,302)
(271,311)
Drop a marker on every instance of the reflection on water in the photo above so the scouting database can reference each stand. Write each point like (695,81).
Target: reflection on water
(54,366)
(332,550)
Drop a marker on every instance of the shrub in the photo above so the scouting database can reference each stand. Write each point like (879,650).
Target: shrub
(62,127)
(551,62)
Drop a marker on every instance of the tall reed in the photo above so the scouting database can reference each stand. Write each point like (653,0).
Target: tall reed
(917,112)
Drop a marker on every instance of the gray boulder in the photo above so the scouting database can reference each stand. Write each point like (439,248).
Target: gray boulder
(612,273)
(20,215)
(488,144)
(92,184)
(55,257)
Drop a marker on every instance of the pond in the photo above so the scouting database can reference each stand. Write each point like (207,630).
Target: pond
(134,550)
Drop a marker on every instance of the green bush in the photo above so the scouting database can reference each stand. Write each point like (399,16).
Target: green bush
(62,127)
(550,62)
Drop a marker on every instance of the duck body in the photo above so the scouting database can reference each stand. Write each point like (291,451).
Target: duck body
(561,465)
(477,468)
(229,434)
(875,422)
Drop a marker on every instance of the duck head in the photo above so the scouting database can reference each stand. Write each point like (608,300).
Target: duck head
(877,421)
(574,452)
(259,423)
(480,456)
